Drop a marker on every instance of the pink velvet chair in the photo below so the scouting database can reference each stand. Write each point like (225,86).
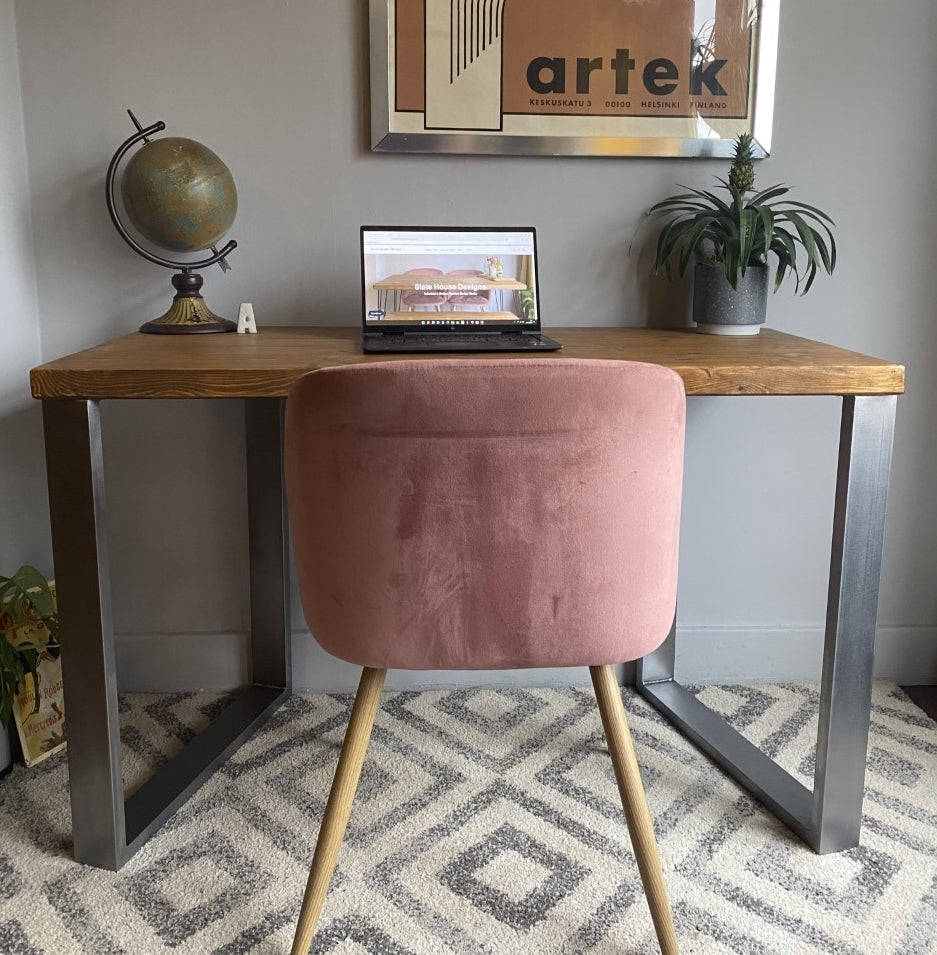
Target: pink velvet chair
(479,299)
(416,299)
(480,514)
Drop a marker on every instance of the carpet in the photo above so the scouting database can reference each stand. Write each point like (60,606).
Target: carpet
(487,821)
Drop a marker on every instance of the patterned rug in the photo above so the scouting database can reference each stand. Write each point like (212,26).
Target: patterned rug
(487,822)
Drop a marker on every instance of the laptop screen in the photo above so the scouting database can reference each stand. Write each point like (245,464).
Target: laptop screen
(439,278)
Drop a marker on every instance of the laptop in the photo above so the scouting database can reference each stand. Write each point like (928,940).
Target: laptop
(451,289)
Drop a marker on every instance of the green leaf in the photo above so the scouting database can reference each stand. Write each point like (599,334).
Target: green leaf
(784,247)
(779,275)
(12,673)
(692,238)
(748,225)
(827,255)
(767,227)
(772,192)
(808,238)
(717,203)
(813,211)
(731,265)
(26,598)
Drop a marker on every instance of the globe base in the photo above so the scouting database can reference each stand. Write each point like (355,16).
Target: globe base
(188,313)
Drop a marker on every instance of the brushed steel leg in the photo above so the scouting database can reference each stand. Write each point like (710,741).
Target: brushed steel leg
(75,475)
(107,828)
(852,609)
(829,817)
(269,543)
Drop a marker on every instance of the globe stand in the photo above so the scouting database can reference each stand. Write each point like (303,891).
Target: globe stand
(188,312)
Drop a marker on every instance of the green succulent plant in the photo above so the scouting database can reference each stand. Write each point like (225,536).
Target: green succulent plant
(528,304)
(743,229)
(25,599)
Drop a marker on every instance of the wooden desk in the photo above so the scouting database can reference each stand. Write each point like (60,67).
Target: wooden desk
(108,829)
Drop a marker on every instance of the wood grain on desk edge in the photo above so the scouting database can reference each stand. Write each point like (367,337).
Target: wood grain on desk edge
(265,365)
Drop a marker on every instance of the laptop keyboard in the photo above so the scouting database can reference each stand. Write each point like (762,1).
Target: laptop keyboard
(455,341)
(456,337)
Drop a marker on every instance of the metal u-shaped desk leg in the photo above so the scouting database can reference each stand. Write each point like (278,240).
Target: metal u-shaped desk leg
(107,828)
(828,818)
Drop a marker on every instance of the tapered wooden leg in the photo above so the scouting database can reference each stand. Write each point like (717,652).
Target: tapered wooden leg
(608,694)
(338,808)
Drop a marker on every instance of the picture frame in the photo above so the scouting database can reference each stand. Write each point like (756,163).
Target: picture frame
(550,78)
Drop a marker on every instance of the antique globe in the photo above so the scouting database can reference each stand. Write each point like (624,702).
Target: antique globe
(181,198)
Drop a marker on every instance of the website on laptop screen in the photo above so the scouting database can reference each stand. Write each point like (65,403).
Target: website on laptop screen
(436,278)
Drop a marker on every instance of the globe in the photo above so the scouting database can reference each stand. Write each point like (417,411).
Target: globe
(179,195)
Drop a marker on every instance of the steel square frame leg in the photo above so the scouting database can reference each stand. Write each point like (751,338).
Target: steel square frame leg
(107,828)
(829,818)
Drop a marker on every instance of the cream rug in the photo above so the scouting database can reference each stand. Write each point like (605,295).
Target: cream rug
(487,822)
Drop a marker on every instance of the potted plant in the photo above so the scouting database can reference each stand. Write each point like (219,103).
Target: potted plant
(731,238)
(28,631)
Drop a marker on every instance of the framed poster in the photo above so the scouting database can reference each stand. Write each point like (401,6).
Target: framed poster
(591,78)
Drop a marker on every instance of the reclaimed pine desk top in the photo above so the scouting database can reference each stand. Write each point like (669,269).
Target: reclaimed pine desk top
(266,364)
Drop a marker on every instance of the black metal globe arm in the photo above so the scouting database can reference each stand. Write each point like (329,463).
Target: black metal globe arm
(180,196)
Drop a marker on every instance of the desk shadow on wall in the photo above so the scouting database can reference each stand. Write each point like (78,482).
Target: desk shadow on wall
(665,304)
(177,541)
(25,537)
(668,303)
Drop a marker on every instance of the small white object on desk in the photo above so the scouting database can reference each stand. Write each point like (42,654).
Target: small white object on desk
(246,321)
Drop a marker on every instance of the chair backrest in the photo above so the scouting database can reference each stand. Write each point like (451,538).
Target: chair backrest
(486,513)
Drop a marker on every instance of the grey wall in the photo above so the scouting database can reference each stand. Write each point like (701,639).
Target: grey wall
(280,91)
(24,526)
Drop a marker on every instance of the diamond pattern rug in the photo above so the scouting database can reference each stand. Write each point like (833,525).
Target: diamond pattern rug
(487,821)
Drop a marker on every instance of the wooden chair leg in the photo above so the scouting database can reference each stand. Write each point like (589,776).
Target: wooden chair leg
(608,695)
(338,808)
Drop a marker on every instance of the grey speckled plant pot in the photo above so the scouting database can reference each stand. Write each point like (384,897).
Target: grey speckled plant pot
(719,309)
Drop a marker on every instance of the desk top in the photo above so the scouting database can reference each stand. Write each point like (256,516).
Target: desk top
(266,364)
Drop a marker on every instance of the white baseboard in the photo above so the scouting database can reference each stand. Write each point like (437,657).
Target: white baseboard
(315,671)
(218,662)
(794,655)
